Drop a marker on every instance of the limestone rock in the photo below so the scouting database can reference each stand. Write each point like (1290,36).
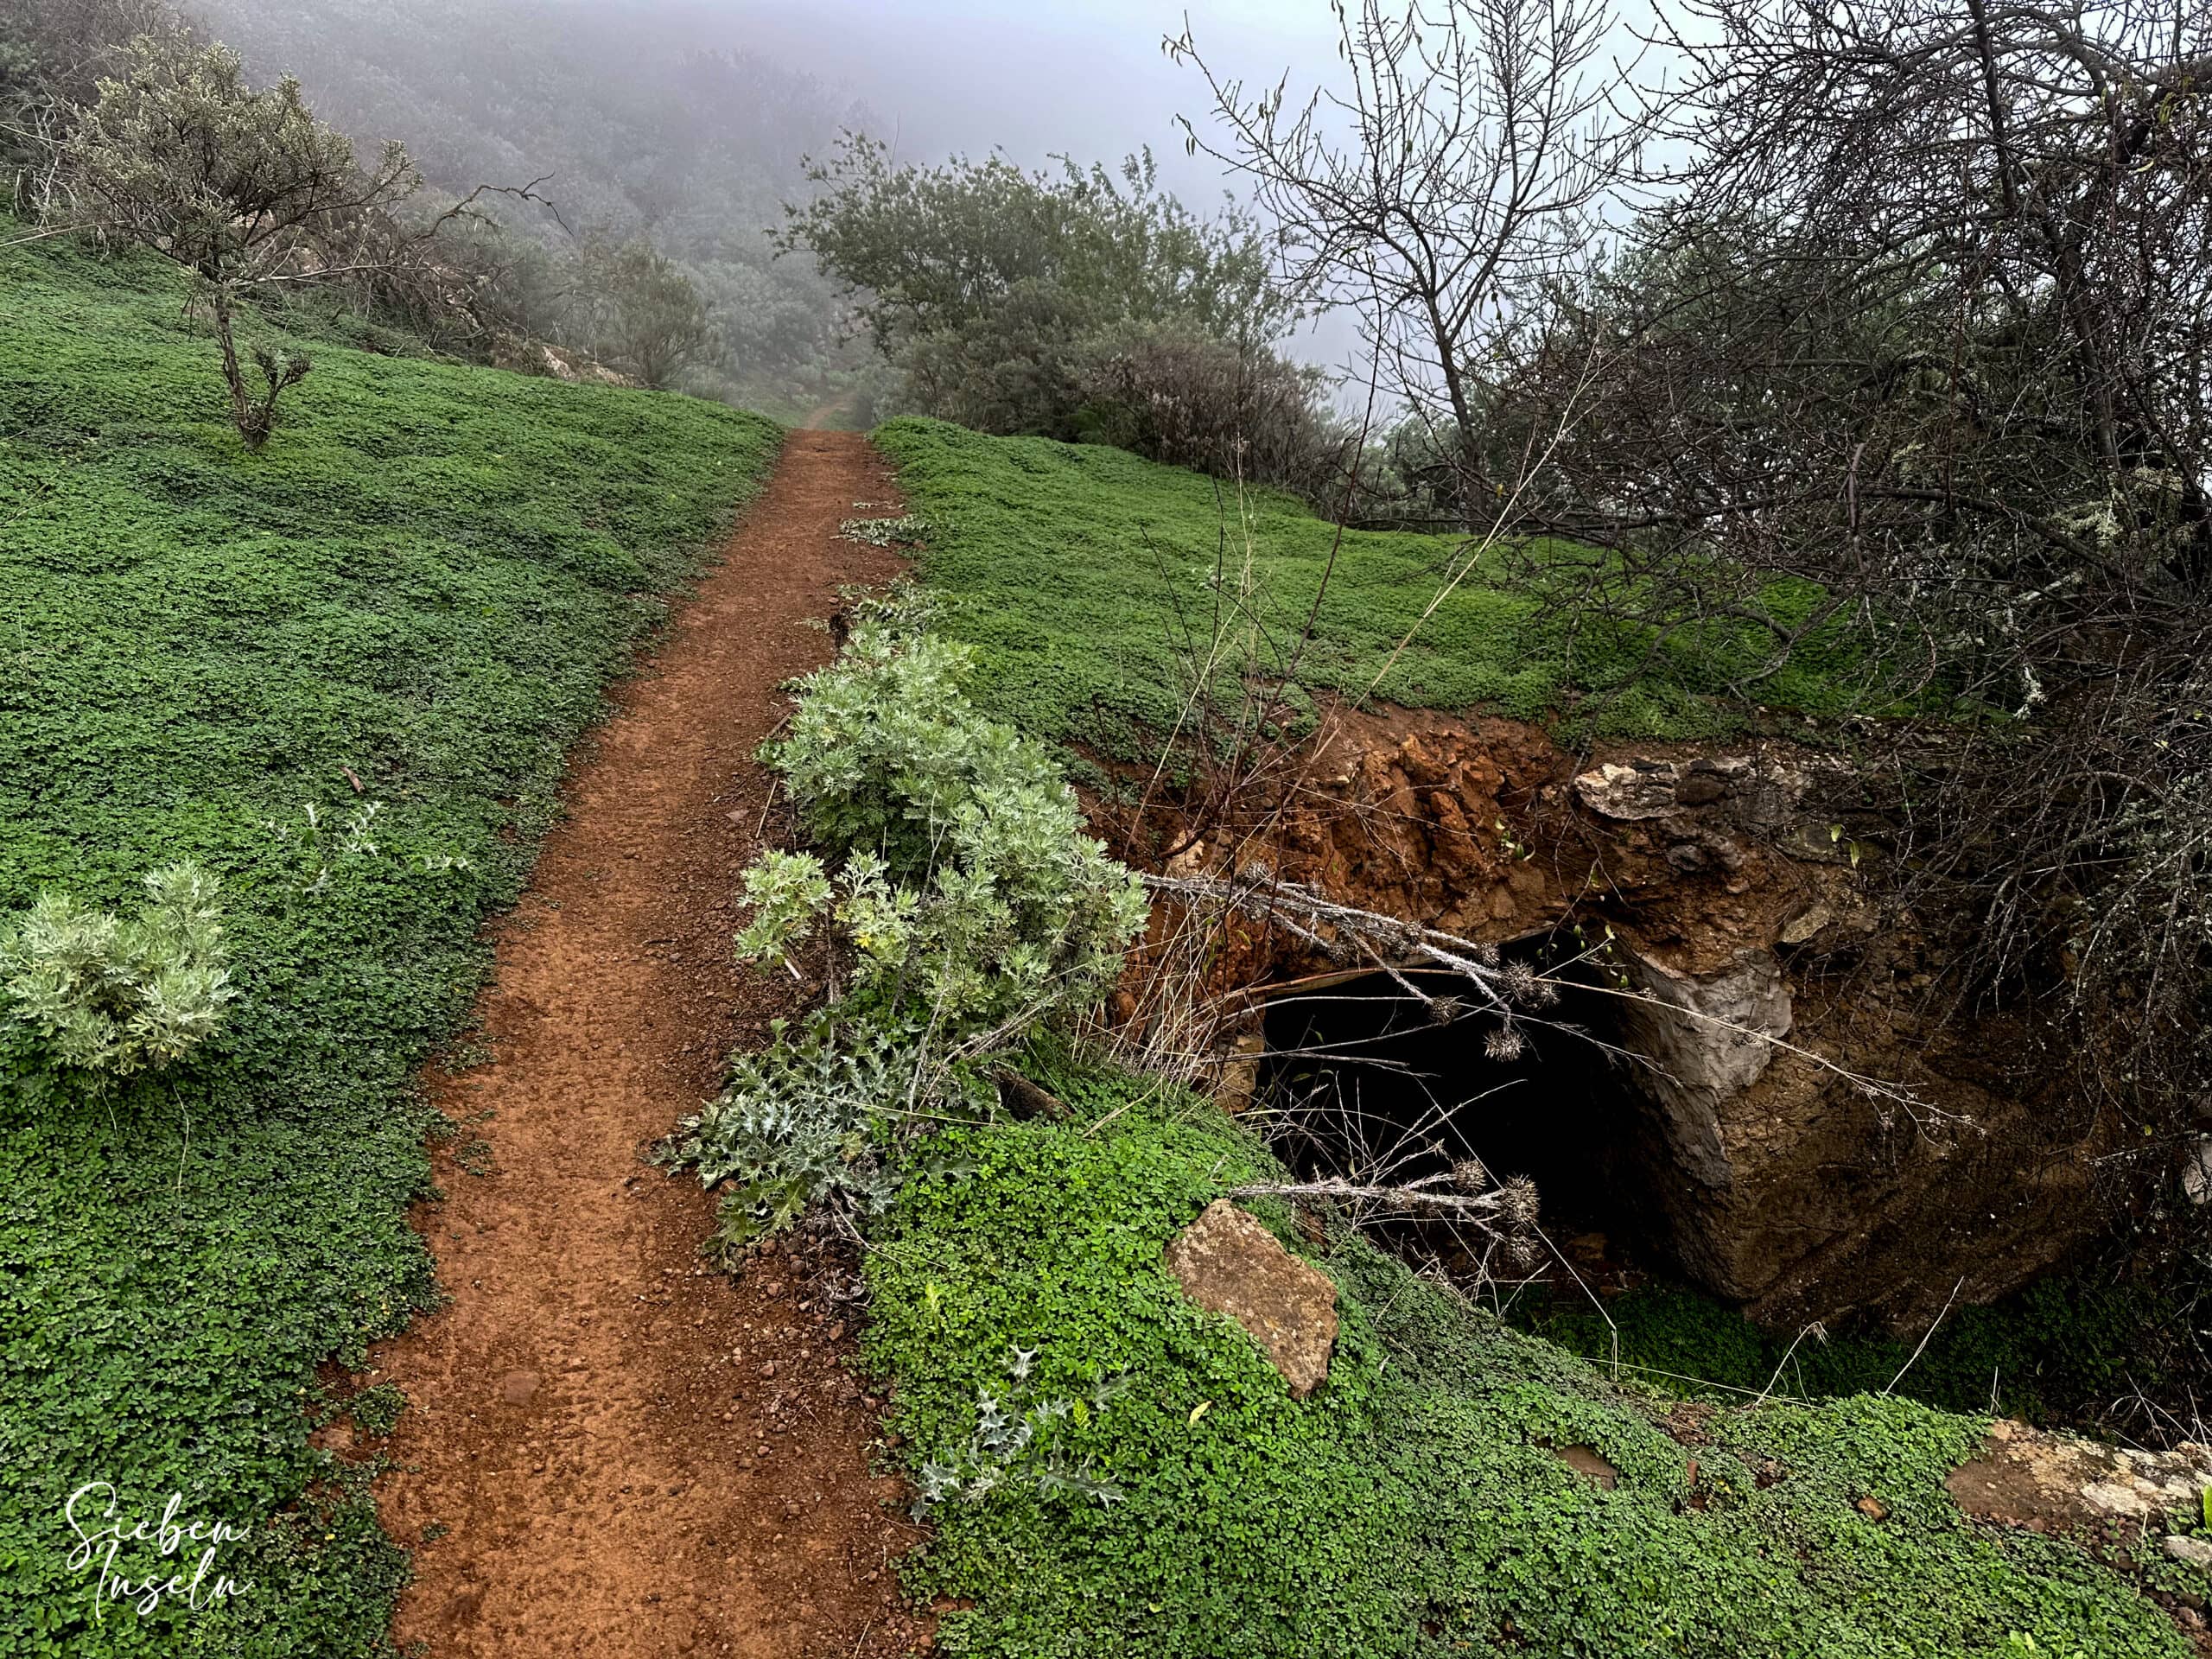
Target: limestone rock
(1228,1264)
(1705,1038)
(1629,793)
(2196,1170)
(2054,1482)
(2194,1551)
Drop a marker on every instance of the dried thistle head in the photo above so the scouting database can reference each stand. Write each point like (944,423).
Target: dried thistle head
(1517,1203)
(1505,1044)
(1521,985)
(1470,1175)
(1443,1010)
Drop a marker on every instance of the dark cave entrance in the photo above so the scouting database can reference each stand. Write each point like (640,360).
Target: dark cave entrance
(1360,1076)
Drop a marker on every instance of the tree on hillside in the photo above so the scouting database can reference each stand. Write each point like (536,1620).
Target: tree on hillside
(243,188)
(1930,325)
(52,55)
(1461,168)
(645,315)
(1909,366)
(1074,304)
(648,136)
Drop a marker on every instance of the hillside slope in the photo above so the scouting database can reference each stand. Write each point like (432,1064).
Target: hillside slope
(341,675)
(1091,580)
(640,123)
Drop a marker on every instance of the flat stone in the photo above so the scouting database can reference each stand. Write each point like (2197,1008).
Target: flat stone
(2194,1551)
(1588,1462)
(2058,1482)
(516,1388)
(1228,1264)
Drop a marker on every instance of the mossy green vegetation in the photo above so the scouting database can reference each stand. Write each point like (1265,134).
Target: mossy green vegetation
(1416,1504)
(1084,572)
(2054,1354)
(410,602)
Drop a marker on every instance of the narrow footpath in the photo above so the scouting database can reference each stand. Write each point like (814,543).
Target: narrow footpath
(610,1450)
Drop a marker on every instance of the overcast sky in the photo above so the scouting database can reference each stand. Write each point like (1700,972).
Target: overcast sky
(1084,77)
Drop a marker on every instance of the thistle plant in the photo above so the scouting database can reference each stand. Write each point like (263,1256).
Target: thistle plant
(115,997)
(1016,1441)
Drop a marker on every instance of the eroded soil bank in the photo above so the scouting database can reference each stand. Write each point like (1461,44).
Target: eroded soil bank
(1792,1131)
(610,1449)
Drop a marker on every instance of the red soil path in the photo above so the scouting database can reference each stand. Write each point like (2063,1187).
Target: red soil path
(611,1449)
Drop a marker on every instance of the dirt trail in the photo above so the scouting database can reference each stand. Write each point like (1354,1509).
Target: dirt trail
(610,1451)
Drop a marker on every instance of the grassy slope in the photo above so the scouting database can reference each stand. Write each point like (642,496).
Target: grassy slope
(427,578)
(1081,567)
(1413,1505)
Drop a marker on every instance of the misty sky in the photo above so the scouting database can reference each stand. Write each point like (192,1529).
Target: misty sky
(1083,76)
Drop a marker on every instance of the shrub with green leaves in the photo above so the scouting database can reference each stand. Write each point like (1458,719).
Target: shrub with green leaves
(965,896)
(794,1126)
(973,901)
(114,996)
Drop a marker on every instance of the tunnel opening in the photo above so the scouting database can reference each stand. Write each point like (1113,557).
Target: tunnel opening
(1360,1075)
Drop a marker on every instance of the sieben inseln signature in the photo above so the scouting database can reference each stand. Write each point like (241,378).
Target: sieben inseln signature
(93,1514)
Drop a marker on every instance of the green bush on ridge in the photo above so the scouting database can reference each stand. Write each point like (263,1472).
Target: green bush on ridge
(968,904)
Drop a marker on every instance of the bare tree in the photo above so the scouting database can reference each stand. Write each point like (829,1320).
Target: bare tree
(1465,165)
(243,188)
(1906,396)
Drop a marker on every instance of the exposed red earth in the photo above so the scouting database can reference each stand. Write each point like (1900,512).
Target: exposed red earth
(611,1449)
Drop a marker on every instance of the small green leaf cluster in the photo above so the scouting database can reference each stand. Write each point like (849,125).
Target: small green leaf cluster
(1014,1439)
(115,996)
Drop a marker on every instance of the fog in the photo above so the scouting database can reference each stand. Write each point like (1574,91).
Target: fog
(1085,79)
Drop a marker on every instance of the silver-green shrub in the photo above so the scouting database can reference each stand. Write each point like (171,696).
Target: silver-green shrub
(974,903)
(115,996)
(965,901)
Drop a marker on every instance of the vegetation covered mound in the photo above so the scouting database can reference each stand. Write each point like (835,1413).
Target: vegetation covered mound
(1119,1472)
(339,676)
(1095,580)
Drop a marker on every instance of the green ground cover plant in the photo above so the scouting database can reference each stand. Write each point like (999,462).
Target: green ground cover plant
(340,677)
(1076,568)
(1415,1503)
(2060,1353)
